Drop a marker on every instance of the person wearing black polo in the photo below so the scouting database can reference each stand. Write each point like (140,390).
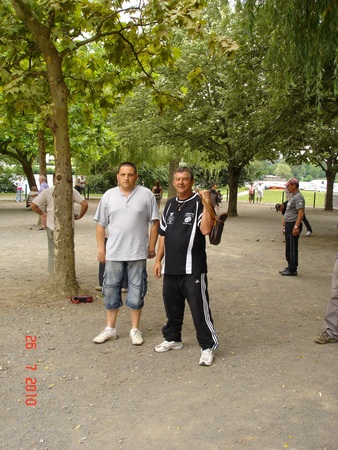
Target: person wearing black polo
(183,227)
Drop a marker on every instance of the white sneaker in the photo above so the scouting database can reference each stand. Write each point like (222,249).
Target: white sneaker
(136,337)
(98,288)
(308,233)
(168,345)
(105,335)
(207,357)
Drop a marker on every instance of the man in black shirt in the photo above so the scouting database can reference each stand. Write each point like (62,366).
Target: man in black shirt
(183,228)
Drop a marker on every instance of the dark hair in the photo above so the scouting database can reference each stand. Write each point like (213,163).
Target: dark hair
(127,163)
(185,169)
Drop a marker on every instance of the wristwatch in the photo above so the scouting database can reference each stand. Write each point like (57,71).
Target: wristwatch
(295,226)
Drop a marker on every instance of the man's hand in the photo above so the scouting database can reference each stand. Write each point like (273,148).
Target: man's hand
(101,256)
(295,232)
(151,254)
(157,269)
(205,194)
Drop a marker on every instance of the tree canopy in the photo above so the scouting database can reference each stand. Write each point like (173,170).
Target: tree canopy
(41,44)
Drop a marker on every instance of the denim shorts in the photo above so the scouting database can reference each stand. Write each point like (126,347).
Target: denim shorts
(113,279)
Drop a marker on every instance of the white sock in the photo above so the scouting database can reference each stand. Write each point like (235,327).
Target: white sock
(109,329)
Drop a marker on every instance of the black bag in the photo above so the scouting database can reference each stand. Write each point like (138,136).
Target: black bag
(215,235)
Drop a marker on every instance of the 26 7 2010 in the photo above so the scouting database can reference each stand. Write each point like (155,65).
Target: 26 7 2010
(31,383)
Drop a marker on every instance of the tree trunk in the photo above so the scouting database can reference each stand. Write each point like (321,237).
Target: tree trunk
(64,260)
(27,168)
(63,279)
(330,176)
(23,158)
(42,153)
(173,164)
(234,174)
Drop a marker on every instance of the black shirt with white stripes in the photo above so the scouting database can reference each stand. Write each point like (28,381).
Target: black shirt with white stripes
(184,242)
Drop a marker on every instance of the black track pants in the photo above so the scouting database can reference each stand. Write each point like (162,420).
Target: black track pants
(194,288)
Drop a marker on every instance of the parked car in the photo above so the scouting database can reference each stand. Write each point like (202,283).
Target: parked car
(316,185)
(303,185)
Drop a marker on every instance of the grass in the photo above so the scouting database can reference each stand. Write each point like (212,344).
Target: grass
(312,199)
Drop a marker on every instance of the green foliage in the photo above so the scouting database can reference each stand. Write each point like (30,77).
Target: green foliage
(7,177)
(302,39)
(100,183)
(283,170)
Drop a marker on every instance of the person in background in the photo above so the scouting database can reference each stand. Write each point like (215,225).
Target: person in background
(78,185)
(308,226)
(330,335)
(19,183)
(252,193)
(220,198)
(214,196)
(259,190)
(43,183)
(82,181)
(183,227)
(42,219)
(126,211)
(157,190)
(292,225)
(32,194)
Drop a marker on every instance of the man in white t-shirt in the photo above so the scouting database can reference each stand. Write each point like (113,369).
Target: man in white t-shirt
(126,211)
(259,190)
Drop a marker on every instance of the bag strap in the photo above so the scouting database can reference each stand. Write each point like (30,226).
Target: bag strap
(211,211)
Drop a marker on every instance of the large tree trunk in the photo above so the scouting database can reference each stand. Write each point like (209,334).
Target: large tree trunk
(234,174)
(64,263)
(63,280)
(330,177)
(27,168)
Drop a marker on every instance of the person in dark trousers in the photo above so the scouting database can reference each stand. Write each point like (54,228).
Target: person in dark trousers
(292,226)
(252,193)
(183,227)
(157,190)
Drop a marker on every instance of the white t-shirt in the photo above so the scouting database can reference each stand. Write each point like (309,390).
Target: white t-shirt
(127,219)
(46,198)
(19,184)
